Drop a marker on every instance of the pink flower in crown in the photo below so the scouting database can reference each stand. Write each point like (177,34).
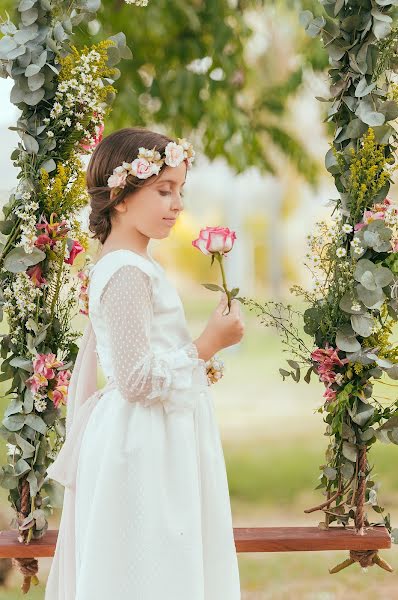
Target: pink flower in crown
(215,239)
(143,168)
(174,154)
(118,178)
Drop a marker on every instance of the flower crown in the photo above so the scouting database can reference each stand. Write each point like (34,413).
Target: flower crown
(149,162)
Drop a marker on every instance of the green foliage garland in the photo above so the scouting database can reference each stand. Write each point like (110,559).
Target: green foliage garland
(64,94)
(354,260)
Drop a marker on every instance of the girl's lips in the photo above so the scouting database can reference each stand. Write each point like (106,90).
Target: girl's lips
(170,221)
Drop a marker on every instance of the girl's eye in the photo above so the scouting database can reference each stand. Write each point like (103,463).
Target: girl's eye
(166,193)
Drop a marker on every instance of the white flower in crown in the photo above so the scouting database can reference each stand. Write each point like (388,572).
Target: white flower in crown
(177,152)
(149,162)
(150,155)
(174,154)
(118,178)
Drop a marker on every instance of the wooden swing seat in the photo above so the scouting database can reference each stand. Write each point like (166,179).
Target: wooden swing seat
(247,539)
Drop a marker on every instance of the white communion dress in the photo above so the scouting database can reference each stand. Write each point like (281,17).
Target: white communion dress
(153,513)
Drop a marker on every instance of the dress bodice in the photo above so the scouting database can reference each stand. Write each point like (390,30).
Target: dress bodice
(168,329)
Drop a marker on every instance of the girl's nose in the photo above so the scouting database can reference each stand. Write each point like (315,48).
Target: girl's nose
(179,203)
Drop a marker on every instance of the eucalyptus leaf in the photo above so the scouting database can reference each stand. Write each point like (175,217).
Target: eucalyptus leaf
(346,340)
(14,422)
(381,29)
(371,299)
(22,363)
(93,5)
(17,260)
(33,484)
(36,423)
(31,70)
(31,145)
(393,372)
(7,44)
(48,165)
(391,423)
(347,431)
(346,302)
(28,449)
(29,16)
(14,407)
(393,435)
(368,434)
(382,436)
(26,5)
(347,470)
(8,481)
(363,413)
(34,97)
(330,473)
(36,81)
(350,451)
(22,467)
(39,516)
(364,88)
(28,400)
(367,114)
(362,324)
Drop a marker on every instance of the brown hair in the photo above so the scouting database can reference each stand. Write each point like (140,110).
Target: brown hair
(118,147)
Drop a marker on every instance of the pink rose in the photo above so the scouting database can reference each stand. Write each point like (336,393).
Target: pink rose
(215,239)
(142,168)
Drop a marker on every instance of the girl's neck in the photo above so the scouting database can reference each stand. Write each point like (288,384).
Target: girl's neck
(110,244)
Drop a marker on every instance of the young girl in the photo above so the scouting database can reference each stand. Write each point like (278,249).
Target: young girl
(152,508)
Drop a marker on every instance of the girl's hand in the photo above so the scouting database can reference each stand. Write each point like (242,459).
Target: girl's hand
(222,330)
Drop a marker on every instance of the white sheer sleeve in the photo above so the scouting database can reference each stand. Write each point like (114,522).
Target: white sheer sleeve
(140,374)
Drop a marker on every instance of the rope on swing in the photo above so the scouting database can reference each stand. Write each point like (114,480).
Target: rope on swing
(366,558)
(28,566)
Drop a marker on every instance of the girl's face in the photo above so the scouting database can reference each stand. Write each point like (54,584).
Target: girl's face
(154,208)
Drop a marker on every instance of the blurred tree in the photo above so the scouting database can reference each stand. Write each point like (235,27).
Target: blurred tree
(189,75)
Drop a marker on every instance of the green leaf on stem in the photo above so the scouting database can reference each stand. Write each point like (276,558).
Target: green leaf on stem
(213,287)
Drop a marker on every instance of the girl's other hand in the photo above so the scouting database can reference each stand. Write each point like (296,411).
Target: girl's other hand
(222,330)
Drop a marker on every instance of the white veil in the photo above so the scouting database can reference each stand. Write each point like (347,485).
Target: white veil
(82,397)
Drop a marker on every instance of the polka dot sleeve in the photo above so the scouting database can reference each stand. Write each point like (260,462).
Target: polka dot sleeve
(140,374)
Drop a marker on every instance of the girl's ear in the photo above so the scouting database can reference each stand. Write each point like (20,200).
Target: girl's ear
(121,206)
